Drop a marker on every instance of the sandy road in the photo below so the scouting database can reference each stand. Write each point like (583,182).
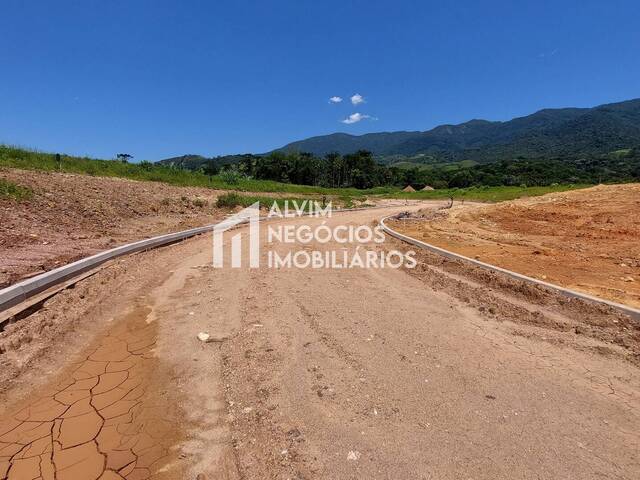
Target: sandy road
(316,373)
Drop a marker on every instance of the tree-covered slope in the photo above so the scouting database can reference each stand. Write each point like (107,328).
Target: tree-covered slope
(565,131)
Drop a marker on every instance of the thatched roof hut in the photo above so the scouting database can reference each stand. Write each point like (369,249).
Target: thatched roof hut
(428,188)
(408,188)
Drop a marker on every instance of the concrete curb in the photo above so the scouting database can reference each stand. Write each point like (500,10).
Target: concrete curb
(21,291)
(632,312)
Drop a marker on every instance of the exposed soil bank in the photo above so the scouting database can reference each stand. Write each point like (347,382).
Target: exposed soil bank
(587,240)
(73,216)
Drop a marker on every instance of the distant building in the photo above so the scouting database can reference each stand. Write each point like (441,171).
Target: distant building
(408,188)
(428,188)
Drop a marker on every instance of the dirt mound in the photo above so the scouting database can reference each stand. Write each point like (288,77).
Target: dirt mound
(587,240)
(72,216)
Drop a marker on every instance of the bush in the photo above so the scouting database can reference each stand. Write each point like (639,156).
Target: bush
(146,165)
(229,200)
(230,176)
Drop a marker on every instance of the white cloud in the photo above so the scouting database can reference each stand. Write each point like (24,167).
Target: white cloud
(548,54)
(356,117)
(357,99)
(335,99)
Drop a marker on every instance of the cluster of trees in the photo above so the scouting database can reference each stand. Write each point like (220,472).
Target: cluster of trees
(533,172)
(361,170)
(358,170)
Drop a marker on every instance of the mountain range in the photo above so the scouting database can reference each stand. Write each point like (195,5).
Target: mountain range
(561,132)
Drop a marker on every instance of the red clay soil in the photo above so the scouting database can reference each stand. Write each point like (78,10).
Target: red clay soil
(73,216)
(98,421)
(587,240)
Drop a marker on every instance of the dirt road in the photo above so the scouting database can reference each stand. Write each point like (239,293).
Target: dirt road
(437,372)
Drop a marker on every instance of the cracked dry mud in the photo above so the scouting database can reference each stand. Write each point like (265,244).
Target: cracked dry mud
(98,421)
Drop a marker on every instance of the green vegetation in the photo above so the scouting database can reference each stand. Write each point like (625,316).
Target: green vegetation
(32,160)
(622,153)
(533,172)
(496,181)
(571,145)
(549,133)
(231,177)
(359,171)
(10,190)
(235,199)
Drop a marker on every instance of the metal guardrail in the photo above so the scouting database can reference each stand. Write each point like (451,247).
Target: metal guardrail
(632,312)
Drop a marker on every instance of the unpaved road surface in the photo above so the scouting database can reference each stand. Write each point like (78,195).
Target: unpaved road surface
(440,372)
(587,240)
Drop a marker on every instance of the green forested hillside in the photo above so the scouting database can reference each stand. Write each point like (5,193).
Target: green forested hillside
(360,170)
(550,132)
(566,134)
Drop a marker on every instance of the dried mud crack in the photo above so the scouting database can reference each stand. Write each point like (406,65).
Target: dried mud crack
(99,421)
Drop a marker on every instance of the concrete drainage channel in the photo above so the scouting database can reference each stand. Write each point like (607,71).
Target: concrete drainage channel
(632,312)
(12,297)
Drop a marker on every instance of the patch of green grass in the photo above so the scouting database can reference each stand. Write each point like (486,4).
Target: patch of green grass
(252,185)
(448,166)
(487,194)
(235,199)
(617,154)
(14,191)
(346,200)
(467,163)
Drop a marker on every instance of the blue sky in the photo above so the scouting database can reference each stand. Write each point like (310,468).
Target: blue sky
(163,78)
